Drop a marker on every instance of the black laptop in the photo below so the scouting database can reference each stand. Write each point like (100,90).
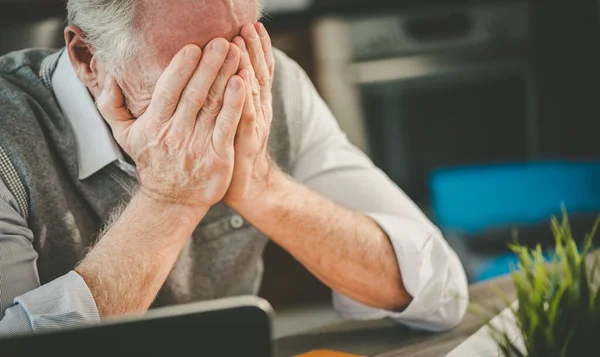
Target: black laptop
(236,327)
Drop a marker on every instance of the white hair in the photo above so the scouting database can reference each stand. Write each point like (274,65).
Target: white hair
(110,28)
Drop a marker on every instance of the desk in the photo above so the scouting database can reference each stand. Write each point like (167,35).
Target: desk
(385,339)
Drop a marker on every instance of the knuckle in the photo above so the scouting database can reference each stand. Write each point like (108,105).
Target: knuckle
(256,85)
(250,117)
(210,111)
(194,97)
(267,99)
(239,42)
(245,60)
(213,105)
(223,129)
(222,156)
(264,80)
(165,95)
(212,65)
(271,66)
(215,99)
(163,91)
(173,142)
(184,71)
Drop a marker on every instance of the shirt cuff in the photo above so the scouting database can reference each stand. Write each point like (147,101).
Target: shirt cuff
(15,322)
(62,303)
(431,273)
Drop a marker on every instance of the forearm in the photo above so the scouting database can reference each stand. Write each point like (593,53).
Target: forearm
(345,249)
(130,263)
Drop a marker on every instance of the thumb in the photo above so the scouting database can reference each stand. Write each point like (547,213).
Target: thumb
(111,104)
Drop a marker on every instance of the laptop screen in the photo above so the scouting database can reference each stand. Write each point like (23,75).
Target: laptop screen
(235,331)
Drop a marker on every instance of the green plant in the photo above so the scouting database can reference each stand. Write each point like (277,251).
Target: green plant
(558,310)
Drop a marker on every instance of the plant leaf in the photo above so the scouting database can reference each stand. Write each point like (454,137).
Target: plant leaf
(558,312)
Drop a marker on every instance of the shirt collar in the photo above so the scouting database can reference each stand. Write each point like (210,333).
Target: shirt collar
(96,147)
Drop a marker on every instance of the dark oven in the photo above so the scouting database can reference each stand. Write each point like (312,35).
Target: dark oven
(421,90)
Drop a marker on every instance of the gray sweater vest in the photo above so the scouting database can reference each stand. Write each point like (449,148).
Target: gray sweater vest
(66,214)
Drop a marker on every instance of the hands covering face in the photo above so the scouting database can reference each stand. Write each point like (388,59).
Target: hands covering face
(204,136)
(253,165)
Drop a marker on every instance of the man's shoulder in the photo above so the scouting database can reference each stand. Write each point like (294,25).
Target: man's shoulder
(23,94)
(292,88)
(29,60)
(20,76)
(281,58)
(288,72)
(21,83)
(293,95)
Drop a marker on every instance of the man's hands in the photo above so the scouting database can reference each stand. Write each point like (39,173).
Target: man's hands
(205,134)
(254,169)
(183,145)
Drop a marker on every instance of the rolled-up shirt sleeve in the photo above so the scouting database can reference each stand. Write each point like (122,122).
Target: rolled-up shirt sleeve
(325,161)
(431,273)
(25,305)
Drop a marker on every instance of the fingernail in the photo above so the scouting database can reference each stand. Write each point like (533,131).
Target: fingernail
(234,84)
(253,33)
(263,31)
(192,53)
(220,45)
(232,53)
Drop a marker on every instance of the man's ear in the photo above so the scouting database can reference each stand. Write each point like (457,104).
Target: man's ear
(82,57)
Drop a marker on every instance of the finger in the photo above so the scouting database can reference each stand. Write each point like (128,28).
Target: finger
(244,58)
(195,93)
(229,117)
(257,57)
(261,71)
(266,95)
(247,124)
(111,105)
(214,100)
(173,81)
(245,64)
(249,113)
(267,47)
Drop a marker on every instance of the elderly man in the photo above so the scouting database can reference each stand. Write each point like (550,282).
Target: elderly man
(147,162)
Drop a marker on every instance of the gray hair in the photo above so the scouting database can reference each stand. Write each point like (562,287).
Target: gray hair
(110,28)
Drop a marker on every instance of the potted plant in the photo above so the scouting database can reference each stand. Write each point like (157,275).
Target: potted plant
(558,303)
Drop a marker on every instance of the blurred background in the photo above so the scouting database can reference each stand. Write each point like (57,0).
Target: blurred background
(484,112)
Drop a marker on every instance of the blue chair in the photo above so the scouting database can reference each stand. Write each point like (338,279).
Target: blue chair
(468,201)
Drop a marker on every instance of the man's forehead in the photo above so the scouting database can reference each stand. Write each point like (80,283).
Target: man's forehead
(167,26)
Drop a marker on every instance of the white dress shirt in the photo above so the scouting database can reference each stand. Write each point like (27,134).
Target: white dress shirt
(326,162)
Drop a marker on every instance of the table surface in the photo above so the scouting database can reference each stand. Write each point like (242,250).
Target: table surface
(385,339)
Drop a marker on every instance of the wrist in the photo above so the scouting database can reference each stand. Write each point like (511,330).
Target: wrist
(261,199)
(173,196)
(171,209)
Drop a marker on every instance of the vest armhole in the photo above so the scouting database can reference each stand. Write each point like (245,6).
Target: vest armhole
(10,177)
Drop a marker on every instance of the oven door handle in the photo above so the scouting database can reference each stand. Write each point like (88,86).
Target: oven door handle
(406,68)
